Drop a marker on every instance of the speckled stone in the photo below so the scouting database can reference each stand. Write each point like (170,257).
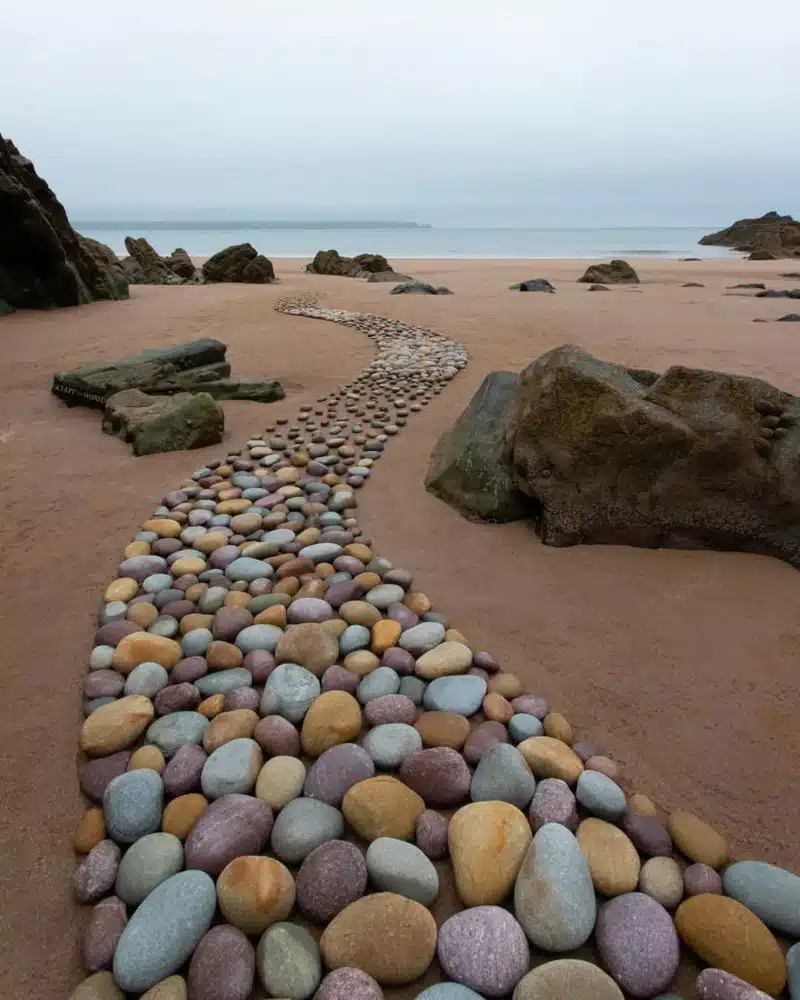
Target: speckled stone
(793,971)
(553,802)
(233,825)
(661,879)
(102,933)
(648,834)
(567,979)
(448,991)
(522,726)
(182,773)
(600,795)
(772,893)
(483,736)
(431,834)
(132,805)
(301,826)
(389,745)
(440,775)
(349,984)
(390,708)
(222,966)
(295,687)
(288,962)
(337,770)
(396,866)
(331,877)
(147,863)
(94,877)
(461,695)
(638,944)
(233,767)
(485,949)
(503,775)
(714,984)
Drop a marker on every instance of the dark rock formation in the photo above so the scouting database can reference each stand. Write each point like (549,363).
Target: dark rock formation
(419,288)
(44,263)
(767,238)
(467,467)
(5,308)
(380,276)
(779,293)
(791,275)
(113,281)
(789,318)
(618,272)
(198,366)
(532,285)
(598,288)
(240,263)
(364,264)
(692,284)
(748,284)
(180,263)
(148,266)
(164,423)
(687,459)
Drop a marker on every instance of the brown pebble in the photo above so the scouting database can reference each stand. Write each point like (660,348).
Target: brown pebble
(496,708)
(181,814)
(91,829)
(147,758)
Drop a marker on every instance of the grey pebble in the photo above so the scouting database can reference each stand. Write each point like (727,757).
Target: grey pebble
(132,805)
(196,642)
(600,795)
(503,775)
(302,825)
(295,688)
(395,866)
(231,768)
(772,893)
(147,863)
(413,688)
(422,638)
(288,962)
(522,726)
(390,744)
(223,681)
(175,730)
(462,695)
(146,679)
(380,682)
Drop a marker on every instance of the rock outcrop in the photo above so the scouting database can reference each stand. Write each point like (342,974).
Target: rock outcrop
(361,266)
(533,285)
(240,263)
(419,288)
(687,459)
(148,267)
(155,424)
(44,263)
(618,272)
(769,237)
(197,366)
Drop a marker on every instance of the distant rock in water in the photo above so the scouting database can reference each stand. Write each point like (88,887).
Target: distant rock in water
(532,285)
(155,424)
(240,263)
(767,238)
(419,288)
(599,453)
(618,272)
(361,266)
(44,262)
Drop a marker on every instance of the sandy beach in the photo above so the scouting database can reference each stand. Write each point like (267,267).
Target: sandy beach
(683,666)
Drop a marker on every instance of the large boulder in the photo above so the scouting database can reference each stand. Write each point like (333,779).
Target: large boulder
(766,238)
(112,281)
(180,263)
(468,467)
(164,423)
(603,453)
(360,266)
(239,263)
(618,272)
(148,267)
(44,263)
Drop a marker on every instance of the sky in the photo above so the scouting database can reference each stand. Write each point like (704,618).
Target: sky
(482,112)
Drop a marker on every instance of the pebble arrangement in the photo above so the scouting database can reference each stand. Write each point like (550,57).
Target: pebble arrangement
(282,734)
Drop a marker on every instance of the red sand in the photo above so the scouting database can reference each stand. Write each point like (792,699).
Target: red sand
(681,665)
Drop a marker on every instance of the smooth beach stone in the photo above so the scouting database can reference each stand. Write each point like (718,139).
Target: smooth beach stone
(140,567)
(390,744)
(94,775)
(461,695)
(146,864)
(333,718)
(613,861)
(147,679)
(277,737)
(600,795)
(485,949)
(93,704)
(309,609)
(302,825)
(232,825)
(482,737)
(337,678)
(699,879)
(171,732)
(648,834)
(448,991)
(439,775)
(413,688)
(280,780)
(101,658)
(356,612)
(321,552)
(522,727)
(115,726)
(728,936)
(237,723)
(132,805)
(232,768)
(550,758)
(772,893)
(255,637)
(223,681)
(384,594)
(714,984)
(431,834)
(638,944)
(554,896)
(229,622)
(401,661)
(350,984)
(405,929)
(407,619)
(697,840)
(104,684)
(91,829)
(389,708)
(382,807)
(164,931)
(354,637)
(223,966)
(144,647)
(240,699)
(503,775)
(332,876)
(443,729)
(382,681)
(100,986)
(94,877)
(567,979)
(336,771)
(295,688)
(102,933)
(396,866)
(792,972)
(288,962)
(181,814)
(255,892)
(247,569)
(196,643)
(661,879)
(309,645)
(487,842)
(176,698)
(553,802)
(444,660)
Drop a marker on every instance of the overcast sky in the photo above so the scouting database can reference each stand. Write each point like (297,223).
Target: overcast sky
(519,111)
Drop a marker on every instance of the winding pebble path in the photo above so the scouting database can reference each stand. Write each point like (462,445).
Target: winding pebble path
(262,679)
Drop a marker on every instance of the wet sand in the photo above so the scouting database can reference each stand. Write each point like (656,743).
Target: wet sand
(681,665)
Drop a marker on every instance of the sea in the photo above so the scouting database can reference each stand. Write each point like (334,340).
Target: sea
(401,239)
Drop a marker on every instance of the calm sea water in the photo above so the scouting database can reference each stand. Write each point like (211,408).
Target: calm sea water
(413,242)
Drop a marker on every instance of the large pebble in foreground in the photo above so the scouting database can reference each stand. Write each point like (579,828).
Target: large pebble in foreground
(116,726)
(714,984)
(613,861)
(729,937)
(772,893)
(487,841)
(567,979)
(389,937)
(638,944)
(164,930)
(485,949)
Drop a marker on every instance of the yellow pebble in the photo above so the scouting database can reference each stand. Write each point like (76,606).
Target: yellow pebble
(211,706)
(164,527)
(124,589)
(147,758)
(143,614)
(91,829)
(276,615)
(385,634)
(137,549)
(233,507)
(189,564)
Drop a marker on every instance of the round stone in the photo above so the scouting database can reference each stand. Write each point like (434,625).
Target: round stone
(280,781)
(638,944)
(503,775)
(485,949)
(600,795)
(699,879)
(147,863)
(553,896)
(181,814)
(772,893)
(661,879)
(461,695)
(553,802)
(288,962)
(147,679)
(440,775)
(233,767)
(522,727)
(256,637)
(132,805)
(382,807)
(232,825)
(390,708)
(395,866)
(309,645)
(348,984)
(302,825)
(382,681)
(389,745)
(336,771)
(384,594)
(238,723)
(255,892)
(567,978)
(333,718)
(222,967)
(182,773)
(483,736)
(295,689)
(487,841)
(613,861)
(431,834)
(100,986)
(444,660)
(333,876)
(422,638)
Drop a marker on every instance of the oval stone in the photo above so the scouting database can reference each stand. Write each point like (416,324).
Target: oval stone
(638,944)
(503,775)
(336,771)
(485,949)
(232,768)
(295,689)
(600,795)
(222,966)
(714,984)
(444,660)
(178,729)
(613,861)
(333,718)
(389,745)
(487,841)
(550,758)
(132,805)
(553,802)
(395,866)
(382,807)
(147,863)
(697,840)
(422,638)
(772,893)
(460,695)
(567,978)
(255,892)
(349,984)
(94,877)
(440,775)
(301,826)
(431,834)
(661,879)
(182,773)
(332,876)
(288,962)
(102,933)
(232,825)
(116,726)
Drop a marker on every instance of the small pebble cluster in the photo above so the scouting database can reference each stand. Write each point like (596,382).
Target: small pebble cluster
(285,745)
